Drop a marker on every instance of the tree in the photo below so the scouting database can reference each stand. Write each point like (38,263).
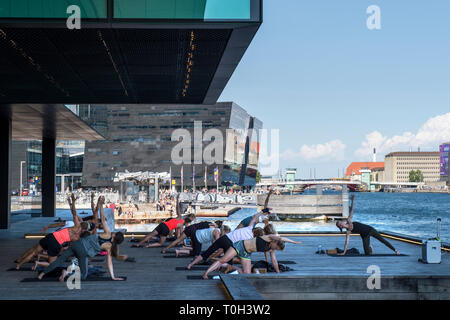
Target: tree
(415,176)
(258,177)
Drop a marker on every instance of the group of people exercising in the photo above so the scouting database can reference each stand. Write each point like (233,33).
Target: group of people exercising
(208,240)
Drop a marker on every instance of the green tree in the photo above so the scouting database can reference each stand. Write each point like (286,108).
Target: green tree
(415,176)
(258,177)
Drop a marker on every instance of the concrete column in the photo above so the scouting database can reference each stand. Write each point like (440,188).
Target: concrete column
(5,161)
(48,177)
(156,189)
(345,206)
(319,190)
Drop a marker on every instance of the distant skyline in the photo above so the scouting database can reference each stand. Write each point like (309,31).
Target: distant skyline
(336,90)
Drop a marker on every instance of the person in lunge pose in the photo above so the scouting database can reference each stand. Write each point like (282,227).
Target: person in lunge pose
(164,228)
(364,230)
(226,241)
(244,248)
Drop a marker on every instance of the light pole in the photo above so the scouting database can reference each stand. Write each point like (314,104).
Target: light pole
(21,180)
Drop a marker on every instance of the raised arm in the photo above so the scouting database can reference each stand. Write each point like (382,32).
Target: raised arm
(266,203)
(53,225)
(71,200)
(350,216)
(102,216)
(178,207)
(275,237)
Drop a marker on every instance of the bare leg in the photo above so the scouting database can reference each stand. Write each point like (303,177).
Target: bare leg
(36,250)
(26,254)
(197,259)
(179,252)
(147,238)
(230,254)
(157,244)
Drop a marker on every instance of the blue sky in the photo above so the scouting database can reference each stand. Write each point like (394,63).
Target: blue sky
(336,89)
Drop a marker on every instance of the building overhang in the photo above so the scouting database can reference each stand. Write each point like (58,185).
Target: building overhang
(124,58)
(55,121)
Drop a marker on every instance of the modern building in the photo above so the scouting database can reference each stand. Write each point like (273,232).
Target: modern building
(139,138)
(444,150)
(128,52)
(398,165)
(353,171)
(27,165)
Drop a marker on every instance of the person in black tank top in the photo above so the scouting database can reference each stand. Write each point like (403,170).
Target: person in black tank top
(364,230)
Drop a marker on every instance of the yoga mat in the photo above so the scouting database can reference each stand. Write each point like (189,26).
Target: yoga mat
(202,268)
(287,262)
(199,277)
(370,255)
(21,269)
(97,260)
(55,279)
(179,257)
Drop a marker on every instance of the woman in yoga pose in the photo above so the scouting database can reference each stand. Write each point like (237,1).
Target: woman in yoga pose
(265,219)
(226,241)
(53,242)
(364,230)
(200,233)
(90,245)
(244,248)
(164,228)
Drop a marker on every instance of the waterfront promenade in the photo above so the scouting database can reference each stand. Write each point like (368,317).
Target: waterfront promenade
(314,277)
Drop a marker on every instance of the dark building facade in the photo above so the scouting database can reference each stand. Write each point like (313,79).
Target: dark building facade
(139,138)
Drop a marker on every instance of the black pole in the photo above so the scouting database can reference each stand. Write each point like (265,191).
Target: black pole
(5,174)
(48,177)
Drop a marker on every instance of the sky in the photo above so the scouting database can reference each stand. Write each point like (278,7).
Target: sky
(335,89)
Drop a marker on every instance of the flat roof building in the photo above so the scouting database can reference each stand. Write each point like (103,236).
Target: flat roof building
(139,138)
(398,165)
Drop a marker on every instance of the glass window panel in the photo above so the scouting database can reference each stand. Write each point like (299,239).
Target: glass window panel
(183,9)
(95,9)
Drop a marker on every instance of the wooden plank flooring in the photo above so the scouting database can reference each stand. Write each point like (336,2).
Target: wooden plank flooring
(153,277)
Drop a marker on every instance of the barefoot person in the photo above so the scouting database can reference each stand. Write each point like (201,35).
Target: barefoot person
(164,228)
(244,248)
(226,241)
(364,230)
(53,242)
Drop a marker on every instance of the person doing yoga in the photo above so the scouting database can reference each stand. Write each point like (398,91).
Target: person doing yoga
(164,228)
(364,230)
(265,219)
(190,232)
(53,242)
(226,241)
(244,248)
(88,246)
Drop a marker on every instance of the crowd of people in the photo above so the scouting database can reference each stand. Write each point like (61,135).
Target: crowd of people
(212,241)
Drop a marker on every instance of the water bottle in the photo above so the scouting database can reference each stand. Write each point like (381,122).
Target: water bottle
(319,249)
(132,237)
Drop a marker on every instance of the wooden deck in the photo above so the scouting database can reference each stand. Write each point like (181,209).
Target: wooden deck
(155,277)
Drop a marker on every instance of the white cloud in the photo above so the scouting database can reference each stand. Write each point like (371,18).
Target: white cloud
(330,150)
(435,131)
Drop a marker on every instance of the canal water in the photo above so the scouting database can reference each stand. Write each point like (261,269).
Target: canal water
(414,214)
